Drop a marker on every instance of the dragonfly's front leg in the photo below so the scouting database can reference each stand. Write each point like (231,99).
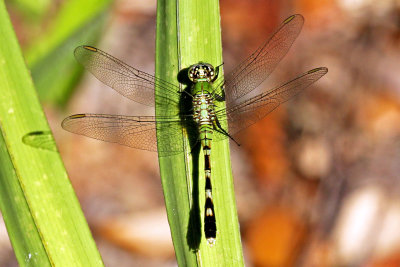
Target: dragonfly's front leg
(217,96)
(218,127)
(222,96)
(217,72)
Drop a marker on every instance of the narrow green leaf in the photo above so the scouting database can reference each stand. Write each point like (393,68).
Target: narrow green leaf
(54,69)
(188,31)
(33,10)
(42,214)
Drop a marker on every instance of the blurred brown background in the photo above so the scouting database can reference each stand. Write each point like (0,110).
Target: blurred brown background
(317,181)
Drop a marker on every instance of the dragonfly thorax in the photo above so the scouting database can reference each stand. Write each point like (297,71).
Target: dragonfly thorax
(201,72)
(203,109)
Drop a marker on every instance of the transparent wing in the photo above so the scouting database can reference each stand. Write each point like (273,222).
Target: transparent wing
(133,131)
(132,83)
(254,109)
(258,66)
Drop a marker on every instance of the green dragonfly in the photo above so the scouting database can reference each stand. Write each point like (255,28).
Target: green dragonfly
(210,120)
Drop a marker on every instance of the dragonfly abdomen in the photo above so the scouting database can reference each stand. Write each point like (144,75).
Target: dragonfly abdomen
(204,116)
(210,227)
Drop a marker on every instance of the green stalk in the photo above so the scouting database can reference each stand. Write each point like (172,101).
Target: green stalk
(188,31)
(42,214)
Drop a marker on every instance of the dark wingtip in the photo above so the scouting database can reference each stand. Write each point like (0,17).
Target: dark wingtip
(69,118)
(321,69)
(85,47)
(289,19)
(88,47)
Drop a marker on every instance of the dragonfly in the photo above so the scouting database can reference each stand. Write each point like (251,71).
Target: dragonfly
(211,120)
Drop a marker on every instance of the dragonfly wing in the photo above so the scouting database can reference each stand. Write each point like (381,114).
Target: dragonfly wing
(130,82)
(254,109)
(258,66)
(244,115)
(133,131)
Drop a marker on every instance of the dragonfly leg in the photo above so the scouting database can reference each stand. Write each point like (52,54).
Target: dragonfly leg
(219,128)
(217,72)
(220,97)
(219,88)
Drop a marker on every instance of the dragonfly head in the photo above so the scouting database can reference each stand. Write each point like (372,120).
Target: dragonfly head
(201,72)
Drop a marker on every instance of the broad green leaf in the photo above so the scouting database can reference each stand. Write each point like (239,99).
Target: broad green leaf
(42,214)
